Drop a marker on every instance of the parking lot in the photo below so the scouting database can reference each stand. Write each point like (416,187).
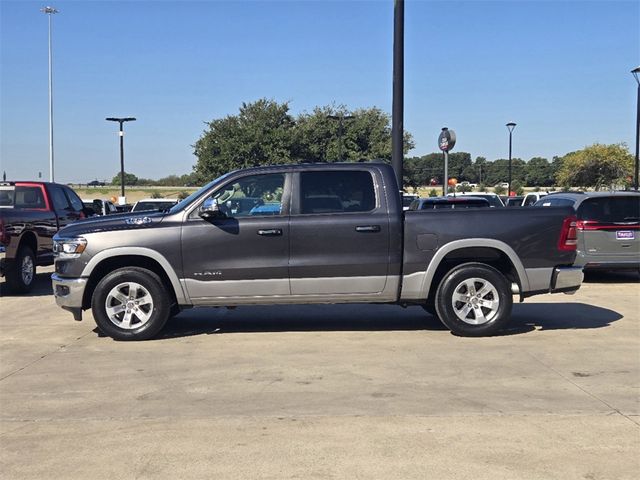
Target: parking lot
(319,392)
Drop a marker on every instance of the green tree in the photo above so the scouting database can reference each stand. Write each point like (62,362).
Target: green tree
(539,172)
(363,134)
(264,133)
(596,166)
(129,179)
(261,134)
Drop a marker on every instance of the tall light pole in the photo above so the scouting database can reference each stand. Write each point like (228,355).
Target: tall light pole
(341,119)
(510,126)
(121,134)
(49,11)
(397,107)
(636,74)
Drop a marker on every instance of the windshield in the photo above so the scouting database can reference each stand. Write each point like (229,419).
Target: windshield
(187,201)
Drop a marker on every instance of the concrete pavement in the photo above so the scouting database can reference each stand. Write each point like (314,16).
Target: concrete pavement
(358,391)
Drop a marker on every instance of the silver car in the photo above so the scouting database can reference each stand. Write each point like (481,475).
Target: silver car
(608,227)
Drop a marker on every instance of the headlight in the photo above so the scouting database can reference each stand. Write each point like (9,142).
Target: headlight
(69,247)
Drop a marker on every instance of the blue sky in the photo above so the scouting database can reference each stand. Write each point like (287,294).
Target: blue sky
(560,70)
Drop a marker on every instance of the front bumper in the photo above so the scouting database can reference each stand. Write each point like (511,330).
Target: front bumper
(69,293)
(566,279)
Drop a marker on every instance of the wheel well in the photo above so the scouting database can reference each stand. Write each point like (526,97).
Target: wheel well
(29,239)
(108,265)
(487,255)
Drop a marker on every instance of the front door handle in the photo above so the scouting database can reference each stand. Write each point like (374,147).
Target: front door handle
(368,228)
(272,232)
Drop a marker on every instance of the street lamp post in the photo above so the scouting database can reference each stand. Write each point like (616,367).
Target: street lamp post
(510,126)
(341,119)
(50,11)
(636,74)
(121,134)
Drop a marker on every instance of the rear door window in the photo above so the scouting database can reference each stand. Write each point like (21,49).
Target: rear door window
(336,192)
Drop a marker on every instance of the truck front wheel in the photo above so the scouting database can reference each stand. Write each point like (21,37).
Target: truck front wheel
(474,300)
(130,304)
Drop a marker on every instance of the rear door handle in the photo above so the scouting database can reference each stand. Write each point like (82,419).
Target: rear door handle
(273,232)
(368,228)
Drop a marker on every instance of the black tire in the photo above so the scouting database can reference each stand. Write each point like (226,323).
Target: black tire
(490,317)
(19,280)
(145,319)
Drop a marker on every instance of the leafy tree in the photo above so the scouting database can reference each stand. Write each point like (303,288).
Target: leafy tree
(539,172)
(364,134)
(264,133)
(129,179)
(433,192)
(597,166)
(261,134)
(499,190)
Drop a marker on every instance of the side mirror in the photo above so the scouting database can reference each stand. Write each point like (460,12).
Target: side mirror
(210,210)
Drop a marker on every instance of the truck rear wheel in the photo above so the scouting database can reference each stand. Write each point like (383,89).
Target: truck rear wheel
(131,304)
(474,300)
(21,274)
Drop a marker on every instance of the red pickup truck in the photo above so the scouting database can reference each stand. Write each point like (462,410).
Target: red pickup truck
(30,215)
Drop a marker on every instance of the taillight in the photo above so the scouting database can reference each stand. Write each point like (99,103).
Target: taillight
(568,235)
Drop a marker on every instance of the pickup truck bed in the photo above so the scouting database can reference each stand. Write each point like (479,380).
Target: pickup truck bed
(311,234)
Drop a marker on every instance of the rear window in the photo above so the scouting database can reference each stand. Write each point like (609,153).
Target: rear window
(493,200)
(554,202)
(610,209)
(22,196)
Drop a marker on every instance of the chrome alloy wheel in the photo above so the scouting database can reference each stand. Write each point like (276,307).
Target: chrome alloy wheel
(475,301)
(27,270)
(129,305)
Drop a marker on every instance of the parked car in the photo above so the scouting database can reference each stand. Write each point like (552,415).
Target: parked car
(30,215)
(503,184)
(494,200)
(531,198)
(407,199)
(438,203)
(100,207)
(608,227)
(95,183)
(340,237)
(153,204)
(515,201)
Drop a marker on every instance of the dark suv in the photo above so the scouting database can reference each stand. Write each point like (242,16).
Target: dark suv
(608,227)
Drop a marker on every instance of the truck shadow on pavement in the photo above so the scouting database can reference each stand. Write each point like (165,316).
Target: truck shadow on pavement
(326,318)
(41,287)
(558,316)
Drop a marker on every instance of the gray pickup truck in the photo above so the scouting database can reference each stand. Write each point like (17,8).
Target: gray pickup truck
(313,233)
